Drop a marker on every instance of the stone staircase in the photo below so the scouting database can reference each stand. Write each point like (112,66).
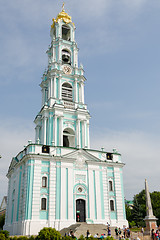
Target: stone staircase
(81,229)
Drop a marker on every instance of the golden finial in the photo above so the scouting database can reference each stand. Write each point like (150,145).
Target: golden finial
(63,7)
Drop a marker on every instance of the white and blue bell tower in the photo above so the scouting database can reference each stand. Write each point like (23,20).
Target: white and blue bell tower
(59,180)
(63,119)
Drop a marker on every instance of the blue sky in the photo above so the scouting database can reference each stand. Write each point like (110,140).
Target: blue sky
(119,48)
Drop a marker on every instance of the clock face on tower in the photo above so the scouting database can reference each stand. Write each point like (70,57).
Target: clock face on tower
(67,69)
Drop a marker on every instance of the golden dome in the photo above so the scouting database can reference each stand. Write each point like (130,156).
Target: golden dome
(62,15)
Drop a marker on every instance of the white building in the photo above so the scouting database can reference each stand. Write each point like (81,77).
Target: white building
(58,180)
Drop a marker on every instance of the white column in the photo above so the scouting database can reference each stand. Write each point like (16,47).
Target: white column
(37,133)
(98,195)
(54,87)
(88,135)
(118,190)
(85,133)
(51,87)
(61,131)
(37,181)
(63,192)
(70,194)
(82,92)
(54,54)
(75,91)
(78,132)
(106,197)
(55,130)
(43,96)
(44,129)
(52,193)
(59,88)
(91,194)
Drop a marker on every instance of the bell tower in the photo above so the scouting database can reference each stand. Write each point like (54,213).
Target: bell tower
(63,119)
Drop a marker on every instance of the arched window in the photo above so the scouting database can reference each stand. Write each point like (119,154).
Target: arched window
(66,33)
(111,205)
(68,138)
(67,92)
(66,57)
(44,181)
(110,186)
(43,204)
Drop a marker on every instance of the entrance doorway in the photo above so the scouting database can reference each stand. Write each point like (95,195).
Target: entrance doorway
(80,210)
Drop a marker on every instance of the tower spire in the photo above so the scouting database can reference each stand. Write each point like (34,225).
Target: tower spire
(63,7)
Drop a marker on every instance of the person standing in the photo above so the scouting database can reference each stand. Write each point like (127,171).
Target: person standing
(109,232)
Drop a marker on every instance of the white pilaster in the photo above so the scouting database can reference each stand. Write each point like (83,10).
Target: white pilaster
(78,132)
(52,193)
(82,92)
(106,197)
(75,91)
(70,193)
(61,131)
(63,192)
(83,134)
(88,135)
(118,191)
(91,194)
(59,89)
(98,195)
(55,129)
(44,129)
(54,87)
(37,181)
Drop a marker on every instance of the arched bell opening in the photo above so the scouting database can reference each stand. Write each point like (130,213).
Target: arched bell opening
(66,57)
(68,138)
(67,92)
(66,33)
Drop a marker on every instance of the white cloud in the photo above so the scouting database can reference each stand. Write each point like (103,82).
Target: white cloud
(140,152)
(15,133)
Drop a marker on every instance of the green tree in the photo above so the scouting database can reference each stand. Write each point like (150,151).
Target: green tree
(138,213)
(155,199)
(48,234)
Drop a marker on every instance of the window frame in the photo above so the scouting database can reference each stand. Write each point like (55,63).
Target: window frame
(112,200)
(42,202)
(110,185)
(45,179)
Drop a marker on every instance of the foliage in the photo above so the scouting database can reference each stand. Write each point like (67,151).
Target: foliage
(48,234)
(6,233)
(31,238)
(2,221)
(136,215)
(109,238)
(2,236)
(22,238)
(155,199)
(132,224)
(81,237)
